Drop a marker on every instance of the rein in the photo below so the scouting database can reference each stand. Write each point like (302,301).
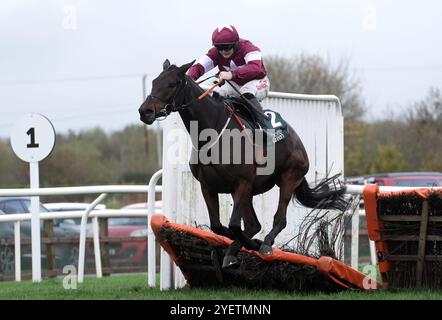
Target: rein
(214,76)
(208,91)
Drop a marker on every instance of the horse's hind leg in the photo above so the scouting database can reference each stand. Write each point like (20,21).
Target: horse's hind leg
(212,203)
(289,183)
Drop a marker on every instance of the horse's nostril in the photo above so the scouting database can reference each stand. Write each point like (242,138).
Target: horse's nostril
(147,116)
(145,112)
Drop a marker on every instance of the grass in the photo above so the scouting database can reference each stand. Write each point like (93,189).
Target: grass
(134,287)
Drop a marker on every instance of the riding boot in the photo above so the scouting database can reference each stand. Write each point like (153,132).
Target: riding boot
(258,113)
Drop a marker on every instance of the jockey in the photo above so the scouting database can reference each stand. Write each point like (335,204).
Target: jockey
(237,60)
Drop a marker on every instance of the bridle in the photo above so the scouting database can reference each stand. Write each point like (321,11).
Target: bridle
(171,106)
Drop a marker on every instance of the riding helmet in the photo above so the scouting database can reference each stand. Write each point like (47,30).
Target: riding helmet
(225,34)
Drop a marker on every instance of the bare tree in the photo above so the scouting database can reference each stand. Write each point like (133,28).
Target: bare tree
(312,74)
(423,135)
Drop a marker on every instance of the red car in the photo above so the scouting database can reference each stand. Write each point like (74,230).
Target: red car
(400,179)
(126,251)
(408,179)
(133,252)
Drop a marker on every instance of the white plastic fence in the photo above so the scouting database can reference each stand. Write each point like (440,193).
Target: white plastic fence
(103,191)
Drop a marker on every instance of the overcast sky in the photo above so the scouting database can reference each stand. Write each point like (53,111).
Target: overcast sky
(80,62)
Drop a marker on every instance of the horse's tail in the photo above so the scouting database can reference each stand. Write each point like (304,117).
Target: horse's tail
(327,194)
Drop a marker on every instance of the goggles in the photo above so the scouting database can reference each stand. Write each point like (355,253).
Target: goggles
(224,47)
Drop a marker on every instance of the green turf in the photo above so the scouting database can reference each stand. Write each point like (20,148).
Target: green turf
(132,287)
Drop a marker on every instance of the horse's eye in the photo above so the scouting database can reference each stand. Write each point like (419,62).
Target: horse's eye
(172,85)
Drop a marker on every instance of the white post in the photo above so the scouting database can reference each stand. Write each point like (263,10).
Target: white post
(373,257)
(151,243)
(32,139)
(35,224)
(355,239)
(170,164)
(97,251)
(82,246)
(17,252)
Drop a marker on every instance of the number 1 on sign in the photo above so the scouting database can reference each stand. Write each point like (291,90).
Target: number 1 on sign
(31,133)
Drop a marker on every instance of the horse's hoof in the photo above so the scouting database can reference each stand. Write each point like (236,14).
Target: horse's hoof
(265,249)
(229,261)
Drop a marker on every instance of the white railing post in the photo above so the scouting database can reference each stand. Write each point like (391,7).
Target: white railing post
(97,250)
(373,257)
(171,138)
(17,251)
(359,190)
(35,224)
(82,246)
(355,239)
(151,242)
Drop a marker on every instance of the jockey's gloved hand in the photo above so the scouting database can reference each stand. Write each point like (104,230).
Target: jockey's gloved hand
(225,75)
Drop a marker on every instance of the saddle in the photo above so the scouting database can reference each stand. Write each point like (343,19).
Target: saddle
(242,110)
(274,120)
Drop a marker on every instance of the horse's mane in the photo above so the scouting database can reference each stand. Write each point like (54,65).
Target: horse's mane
(215,98)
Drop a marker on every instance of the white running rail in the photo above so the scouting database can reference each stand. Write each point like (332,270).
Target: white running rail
(102,190)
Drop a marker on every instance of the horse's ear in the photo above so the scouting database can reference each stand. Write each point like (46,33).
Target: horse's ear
(166,64)
(186,67)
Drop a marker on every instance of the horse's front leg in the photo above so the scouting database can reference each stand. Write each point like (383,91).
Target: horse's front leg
(242,209)
(212,202)
(289,183)
(251,228)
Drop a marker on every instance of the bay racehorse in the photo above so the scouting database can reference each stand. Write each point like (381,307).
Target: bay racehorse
(174,91)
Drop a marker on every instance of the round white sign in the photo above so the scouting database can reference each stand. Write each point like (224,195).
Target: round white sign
(33,137)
